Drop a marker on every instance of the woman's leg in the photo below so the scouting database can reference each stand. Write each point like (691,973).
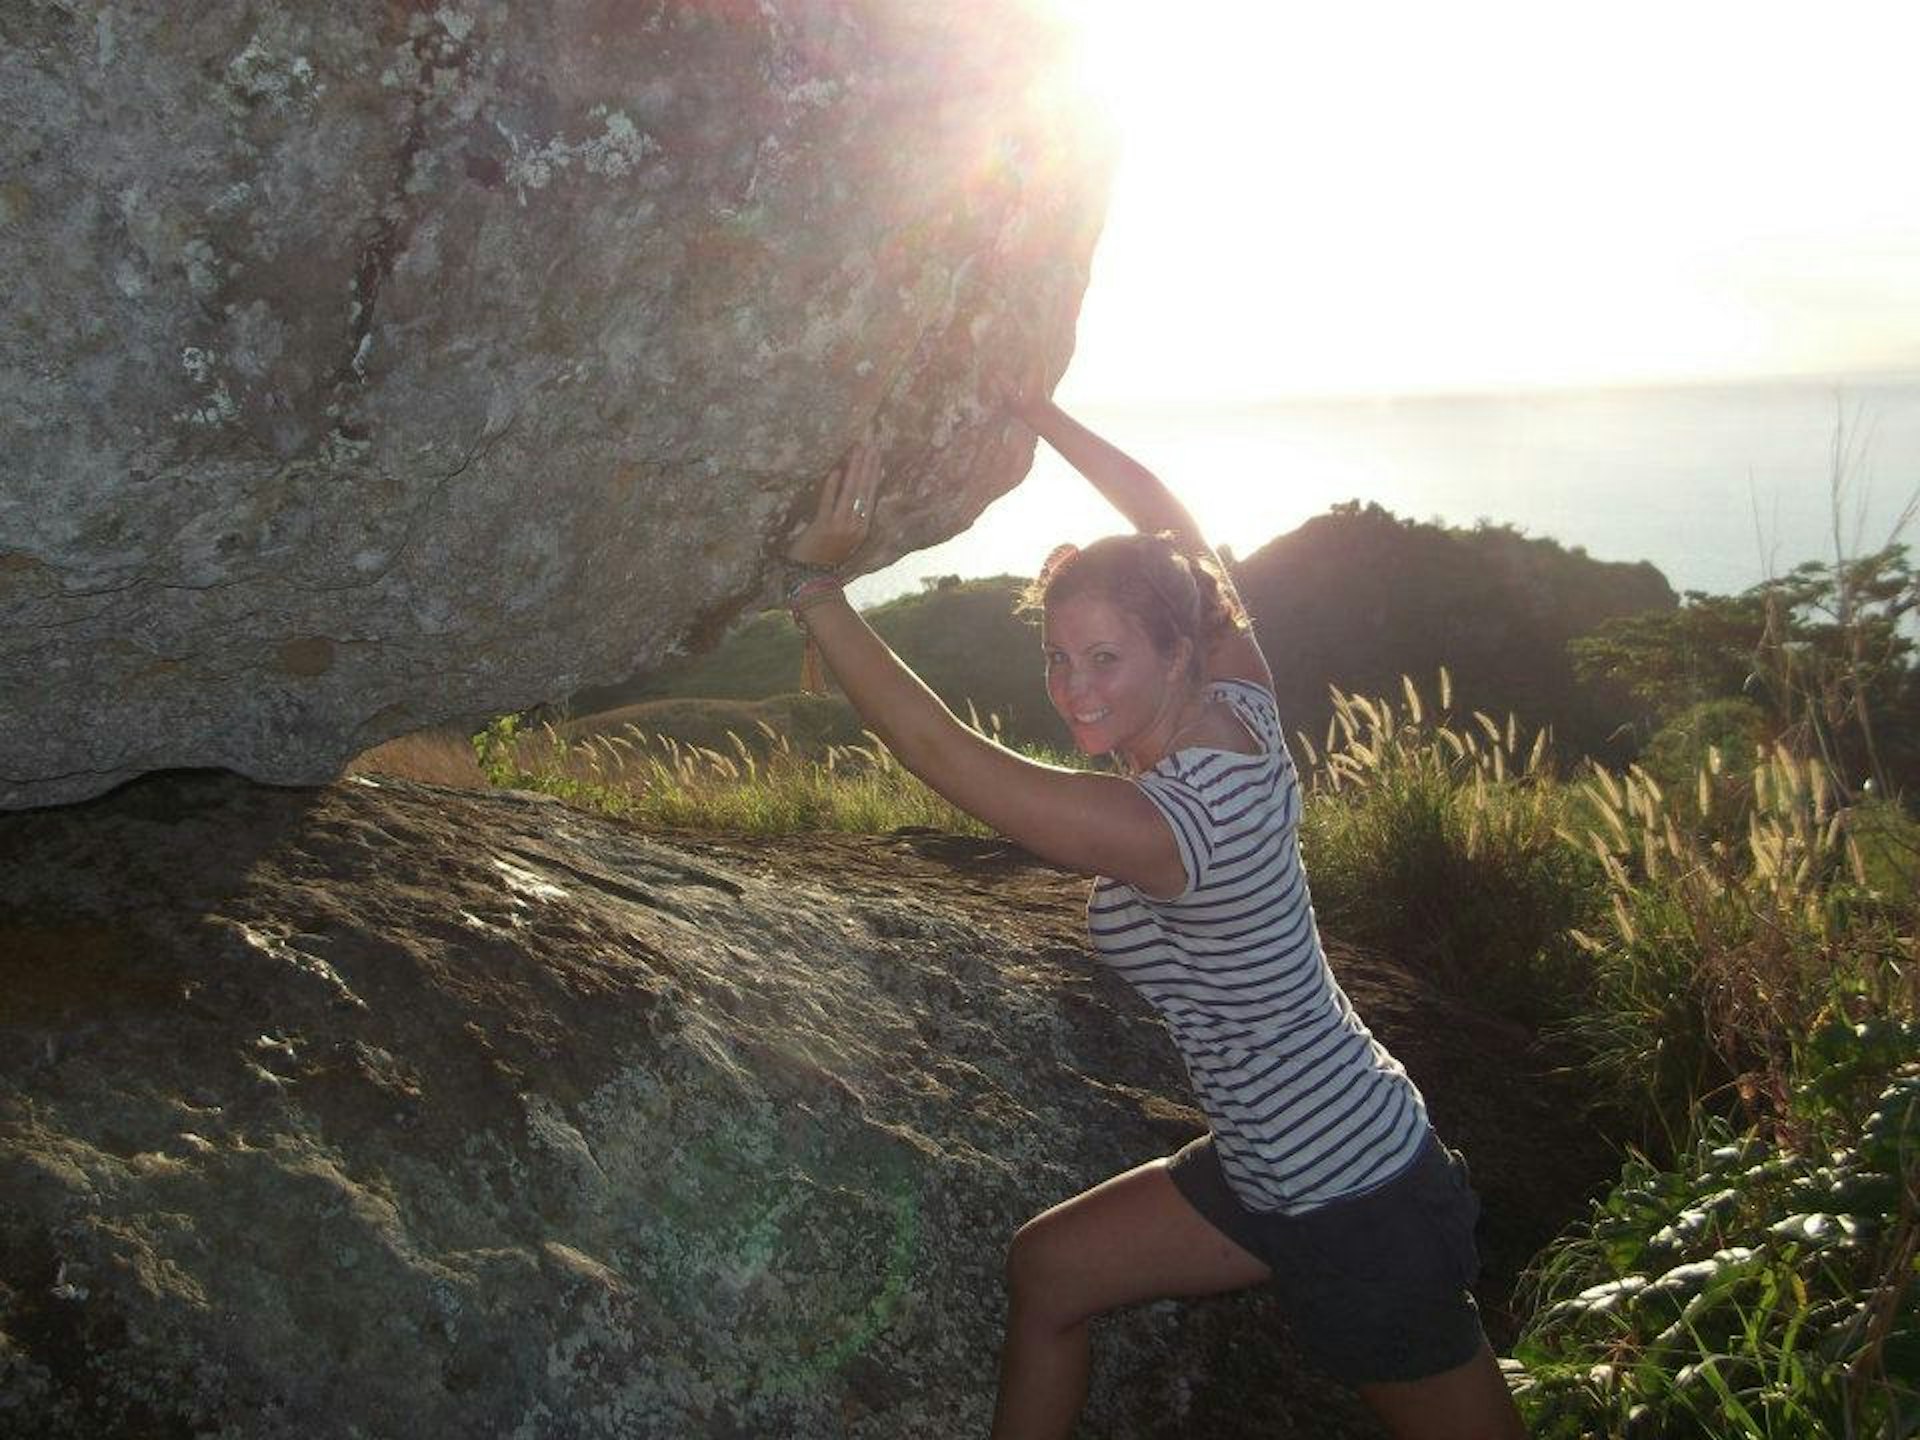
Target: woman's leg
(1131,1238)
(1468,1403)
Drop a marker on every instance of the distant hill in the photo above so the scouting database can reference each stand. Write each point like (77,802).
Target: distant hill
(1353,598)
(1358,597)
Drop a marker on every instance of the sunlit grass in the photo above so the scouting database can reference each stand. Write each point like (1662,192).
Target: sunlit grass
(1438,840)
(756,785)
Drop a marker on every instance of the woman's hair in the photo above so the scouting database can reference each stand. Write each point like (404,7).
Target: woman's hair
(1172,593)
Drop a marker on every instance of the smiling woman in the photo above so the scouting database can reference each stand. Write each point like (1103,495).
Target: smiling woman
(1320,1173)
(1395,196)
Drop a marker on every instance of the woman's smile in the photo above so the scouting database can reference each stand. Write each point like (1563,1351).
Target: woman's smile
(1107,681)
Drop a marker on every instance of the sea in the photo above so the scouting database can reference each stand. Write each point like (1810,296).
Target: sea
(1718,485)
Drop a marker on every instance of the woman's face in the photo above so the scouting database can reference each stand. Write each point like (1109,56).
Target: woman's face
(1113,688)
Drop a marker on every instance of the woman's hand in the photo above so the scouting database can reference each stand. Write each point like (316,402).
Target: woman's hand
(845,512)
(1022,397)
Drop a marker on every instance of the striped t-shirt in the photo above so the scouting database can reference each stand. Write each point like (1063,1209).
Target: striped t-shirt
(1306,1106)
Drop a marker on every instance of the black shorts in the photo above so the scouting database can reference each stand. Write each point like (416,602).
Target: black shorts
(1375,1283)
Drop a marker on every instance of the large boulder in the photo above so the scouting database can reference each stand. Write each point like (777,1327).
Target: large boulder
(368,365)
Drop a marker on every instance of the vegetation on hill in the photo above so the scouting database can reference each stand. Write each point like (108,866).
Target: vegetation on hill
(963,637)
(1820,659)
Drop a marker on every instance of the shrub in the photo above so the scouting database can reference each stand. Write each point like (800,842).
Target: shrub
(1756,1288)
(1717,954)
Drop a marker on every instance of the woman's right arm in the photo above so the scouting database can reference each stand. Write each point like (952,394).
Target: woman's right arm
(1150,507)
(1132,489)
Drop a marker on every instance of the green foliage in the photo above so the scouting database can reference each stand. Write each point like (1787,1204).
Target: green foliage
(1673,659)
(1824,651)
(1683,744)
(497,749)
(1755,1288)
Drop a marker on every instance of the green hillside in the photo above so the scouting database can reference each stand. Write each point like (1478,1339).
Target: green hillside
(962,637)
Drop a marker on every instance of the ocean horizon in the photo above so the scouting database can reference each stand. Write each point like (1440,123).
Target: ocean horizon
(1718,485)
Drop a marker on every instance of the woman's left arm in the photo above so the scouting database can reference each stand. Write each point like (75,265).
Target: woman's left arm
(1100,824)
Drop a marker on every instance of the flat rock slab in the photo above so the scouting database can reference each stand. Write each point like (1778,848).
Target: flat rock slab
(364,366)
(387,1110)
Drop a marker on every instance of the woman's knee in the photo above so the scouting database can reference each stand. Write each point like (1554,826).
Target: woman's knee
(1039,1273)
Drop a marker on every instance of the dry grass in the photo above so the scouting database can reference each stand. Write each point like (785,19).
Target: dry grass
(1744,913)
(762,787)
(436,757)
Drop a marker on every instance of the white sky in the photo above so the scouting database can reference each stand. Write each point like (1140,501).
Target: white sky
(1364,196)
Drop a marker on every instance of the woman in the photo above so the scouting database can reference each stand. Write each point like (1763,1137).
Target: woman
(1320,1173)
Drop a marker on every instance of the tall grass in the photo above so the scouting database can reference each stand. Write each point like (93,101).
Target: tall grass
(1439,840)
(1742,915)
(1752,995)
(1731,964)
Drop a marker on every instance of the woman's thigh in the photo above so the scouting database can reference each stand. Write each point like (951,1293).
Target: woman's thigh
(1129,1239)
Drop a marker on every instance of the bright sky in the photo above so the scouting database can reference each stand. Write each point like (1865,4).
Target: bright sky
(1380,195)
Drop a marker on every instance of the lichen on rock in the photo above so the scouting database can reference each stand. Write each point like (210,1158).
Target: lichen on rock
(381,1110)
(496,345)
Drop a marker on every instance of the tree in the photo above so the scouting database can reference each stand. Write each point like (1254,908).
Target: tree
(1823,650)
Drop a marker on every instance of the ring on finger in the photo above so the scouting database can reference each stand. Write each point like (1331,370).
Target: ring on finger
(859,505)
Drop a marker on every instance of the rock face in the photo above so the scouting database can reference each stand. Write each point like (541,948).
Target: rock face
(384,1111)
(367,365)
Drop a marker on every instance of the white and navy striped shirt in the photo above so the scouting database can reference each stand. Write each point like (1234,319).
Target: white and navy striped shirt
(1306,1106)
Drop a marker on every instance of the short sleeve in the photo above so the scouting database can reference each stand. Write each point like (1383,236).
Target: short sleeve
(1257,708)
(1187,818)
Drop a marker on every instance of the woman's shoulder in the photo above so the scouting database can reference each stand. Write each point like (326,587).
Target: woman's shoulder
(1256,708)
